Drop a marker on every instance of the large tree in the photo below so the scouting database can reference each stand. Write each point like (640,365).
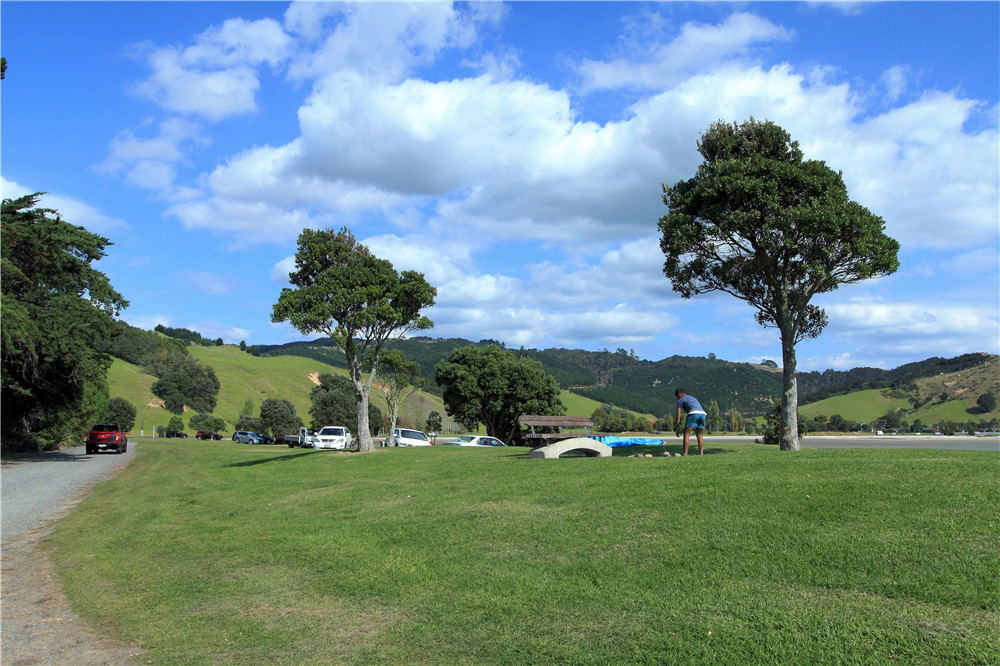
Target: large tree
(490,386)
(761,223)
(341,289)
(398,379)
(56,308)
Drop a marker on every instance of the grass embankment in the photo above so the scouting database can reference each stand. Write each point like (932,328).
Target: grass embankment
(214,552)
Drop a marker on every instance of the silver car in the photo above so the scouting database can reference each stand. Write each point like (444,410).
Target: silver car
(405,437)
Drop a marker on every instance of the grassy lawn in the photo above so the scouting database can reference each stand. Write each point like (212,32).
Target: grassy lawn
(215,553)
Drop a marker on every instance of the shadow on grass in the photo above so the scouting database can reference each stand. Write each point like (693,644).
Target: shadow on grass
(251,463)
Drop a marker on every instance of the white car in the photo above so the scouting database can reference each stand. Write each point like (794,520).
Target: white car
(404,437)
(475,440)
(333,437)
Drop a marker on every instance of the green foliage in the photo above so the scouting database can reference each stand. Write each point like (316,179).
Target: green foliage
(771,430)
(187,335)
(185,381)
(250,423)
(120,411)
(609,418)
(759,222)
(278,418)
(433,422)
(207,423)
(987,402)
(55,309)
(398,379)
(490,386)
(341,289)
(143,348)
(334,401)
(177,423)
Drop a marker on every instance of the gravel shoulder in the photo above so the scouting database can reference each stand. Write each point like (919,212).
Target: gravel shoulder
(38,624)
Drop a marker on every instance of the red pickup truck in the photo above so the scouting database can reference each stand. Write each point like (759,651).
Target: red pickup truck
(107,437)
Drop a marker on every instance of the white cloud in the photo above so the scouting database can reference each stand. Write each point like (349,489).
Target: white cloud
(70,209)
(697,47)
(216,77)
(382,41)
(152,163)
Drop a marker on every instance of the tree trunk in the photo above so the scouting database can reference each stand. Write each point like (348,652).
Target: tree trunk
(789,439)
(365,443)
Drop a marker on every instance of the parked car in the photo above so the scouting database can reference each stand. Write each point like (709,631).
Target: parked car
(333,437)
(175,433)
(249,437)
(107,437)
(405,437)
(476,440)
(207,435)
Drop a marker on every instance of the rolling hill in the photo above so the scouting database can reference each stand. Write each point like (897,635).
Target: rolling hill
(933,390)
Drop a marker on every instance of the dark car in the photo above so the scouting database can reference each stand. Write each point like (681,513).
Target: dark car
(107,437)
(175,433)
(207,435)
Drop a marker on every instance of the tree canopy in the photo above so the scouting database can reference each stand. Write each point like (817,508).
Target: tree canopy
(278,418)
(56,308)
(490,386)
(185,381)
(761,223)
(359,300)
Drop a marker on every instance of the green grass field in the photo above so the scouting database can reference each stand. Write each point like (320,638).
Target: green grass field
(219,553)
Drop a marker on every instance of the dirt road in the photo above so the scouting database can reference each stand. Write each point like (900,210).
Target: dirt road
(38,625)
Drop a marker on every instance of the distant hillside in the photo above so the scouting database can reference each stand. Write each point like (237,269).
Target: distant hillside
(941,396)
(618,378)
(816,386)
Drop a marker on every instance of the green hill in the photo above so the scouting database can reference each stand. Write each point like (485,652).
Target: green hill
(933,390)
(243,376)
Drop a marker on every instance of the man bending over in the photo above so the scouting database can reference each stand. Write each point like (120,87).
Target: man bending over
(695,419)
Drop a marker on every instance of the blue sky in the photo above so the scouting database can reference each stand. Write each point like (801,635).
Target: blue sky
(513,153)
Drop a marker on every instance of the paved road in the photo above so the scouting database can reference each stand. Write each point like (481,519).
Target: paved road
(36,488)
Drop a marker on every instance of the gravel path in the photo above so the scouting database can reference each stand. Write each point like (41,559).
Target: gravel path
(38,625)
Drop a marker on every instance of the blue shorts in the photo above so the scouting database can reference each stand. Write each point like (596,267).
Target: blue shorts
(695,421)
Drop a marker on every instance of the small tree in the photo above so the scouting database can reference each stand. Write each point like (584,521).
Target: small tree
(713,418)
(185,381)
(398,379)
(278,418)
(120,411)
(759,222)
(434,422)
(207,423)
(492,387)
(987,402)
(177,423)
(360,301)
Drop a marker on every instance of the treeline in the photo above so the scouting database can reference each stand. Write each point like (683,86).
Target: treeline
(191,337)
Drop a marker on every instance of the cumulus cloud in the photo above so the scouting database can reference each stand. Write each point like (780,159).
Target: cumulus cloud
(380,41)
(697,47)
(216,77)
